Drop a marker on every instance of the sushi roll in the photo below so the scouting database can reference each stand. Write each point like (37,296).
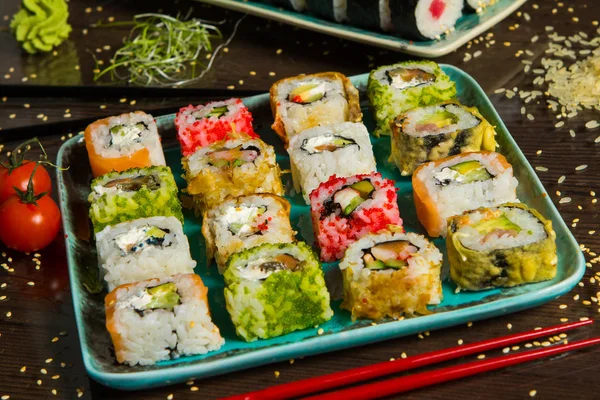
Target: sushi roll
(341,149)
(333,10)
(200,126)
(472,6)
(126,141)
(154,247)
(132,194)
(502,246)
(425,19)
(430,133)
(235,167)
(244,222)
(452,185)
(345,209)
(274,289)
(306,101)
(161,319)
(295,5)
(369,14)
(394,89)
(391,274)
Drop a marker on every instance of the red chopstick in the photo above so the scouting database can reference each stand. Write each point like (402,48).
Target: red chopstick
(428,378)
(355,375)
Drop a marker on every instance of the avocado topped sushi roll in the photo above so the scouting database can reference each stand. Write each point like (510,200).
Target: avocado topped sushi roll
(452,185)
(274,289)
(391,274)
(132,194)
(502,246)
(394,89)
(306,101)
(430,133)
(345,209)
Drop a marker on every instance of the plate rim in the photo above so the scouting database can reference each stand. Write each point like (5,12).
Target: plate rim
(329,342)
(438,49)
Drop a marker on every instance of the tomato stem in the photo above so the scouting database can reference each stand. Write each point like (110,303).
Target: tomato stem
(28,196)
(18,156)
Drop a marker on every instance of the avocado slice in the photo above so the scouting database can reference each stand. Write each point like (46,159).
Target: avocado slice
(238,162)
(501,223)
(122,130)
(220,163)
(216,112)
(307,93)
(155,232)
(376,265)
(354,203)
(163,296)
(395,264)
(472,171)
(440,119)
(364,187)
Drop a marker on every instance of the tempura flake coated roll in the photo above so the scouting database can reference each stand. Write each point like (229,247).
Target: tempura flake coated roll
(126,141)
(449,186)
(161,319)
(430,133)
(317,153)
(245,222)
(203,125)
(394,89)
(345,209)
(132,194)
(306,101)
(154,247)
(236,167)
(391,274)
(501,246)
(274,289)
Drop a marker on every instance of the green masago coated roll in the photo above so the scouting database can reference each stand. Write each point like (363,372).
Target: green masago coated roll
(429,133)
(274,289)
(502,246)
(41,25)
(394,89)
(136,193)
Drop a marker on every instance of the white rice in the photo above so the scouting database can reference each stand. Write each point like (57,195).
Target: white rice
(221,242)
(189,116)
(420,263)
(339,10)
(309,170)
(456,197)
(101,138)
(431,27)
(162,334)
(381,74)
(150,262)
(332,108)
(385,16)
(466,120)
(532,231)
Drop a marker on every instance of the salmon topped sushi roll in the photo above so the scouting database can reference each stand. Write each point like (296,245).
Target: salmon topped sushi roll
(126,141)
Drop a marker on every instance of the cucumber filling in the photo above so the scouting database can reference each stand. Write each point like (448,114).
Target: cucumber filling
(307,93)
(327,142)
(126,134)
(404,78)
(137,239)
(264,267)
(216,112)
(389,255)
(134,183)
(236,157)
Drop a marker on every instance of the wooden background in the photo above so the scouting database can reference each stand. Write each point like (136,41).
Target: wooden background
(39,349)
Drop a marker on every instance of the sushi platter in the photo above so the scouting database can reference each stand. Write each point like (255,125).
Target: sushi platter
(388,32)
(329,213)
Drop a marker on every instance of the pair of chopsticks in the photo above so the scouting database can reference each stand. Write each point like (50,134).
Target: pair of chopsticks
(422,379)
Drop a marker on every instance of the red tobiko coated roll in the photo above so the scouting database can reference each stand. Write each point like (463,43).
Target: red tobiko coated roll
(345,209)
(199,126)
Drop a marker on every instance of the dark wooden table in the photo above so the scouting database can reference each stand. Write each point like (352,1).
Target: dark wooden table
(39,348)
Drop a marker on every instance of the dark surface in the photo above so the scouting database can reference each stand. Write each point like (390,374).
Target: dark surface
(43,311)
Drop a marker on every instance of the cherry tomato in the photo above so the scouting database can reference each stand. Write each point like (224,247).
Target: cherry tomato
(27,226)
(19,177)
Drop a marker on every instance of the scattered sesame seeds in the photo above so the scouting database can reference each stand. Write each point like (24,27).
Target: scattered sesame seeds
(561,179)
(581,167)
(565,200)
(559,124)
(541,169)
(477,54)
(592,124)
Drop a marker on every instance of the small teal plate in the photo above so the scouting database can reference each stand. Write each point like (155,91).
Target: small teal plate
(340,332)
(469,26)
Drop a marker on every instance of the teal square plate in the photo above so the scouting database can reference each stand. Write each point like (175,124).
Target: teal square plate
(468,27)
(340,332)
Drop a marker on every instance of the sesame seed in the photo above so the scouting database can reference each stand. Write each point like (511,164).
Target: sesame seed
(170,396)
(460,341)
(8,314)
(559,124)
(320,331)
(31,283)
(561,179)
(49,360)
(506,350)
(592,124)
(562,306)
(5,397)
(54,392)
(532,393)
(509,326)
(132,102)
(55,376)
(581,167)
(564,200)
(403,355)
(481,356)
(500,90)
(271,73)
(530,117)
(477,54)
(253,73)
(586,302)
(43,371)
(469,324)
(230,87)
(194,389)
(583,318)
(276,373)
